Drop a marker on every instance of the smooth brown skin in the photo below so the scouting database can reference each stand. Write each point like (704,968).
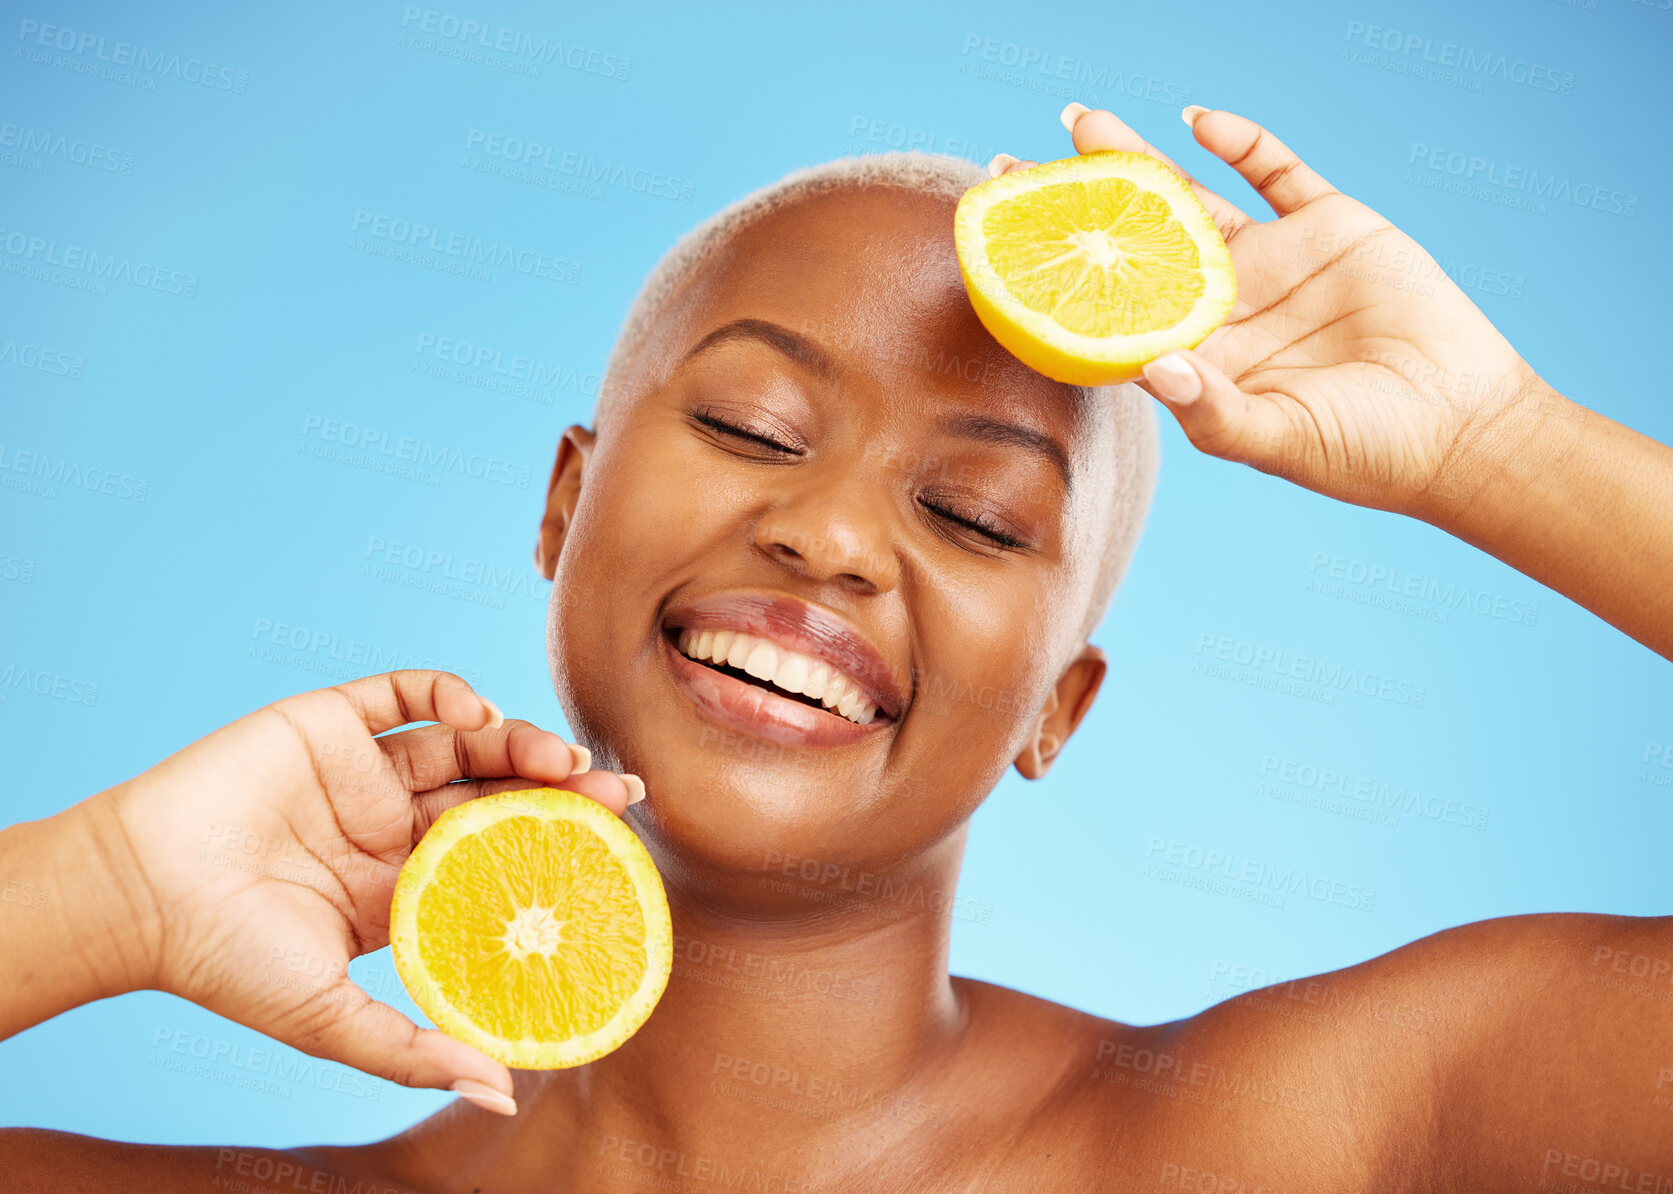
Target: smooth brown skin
(1496,1056)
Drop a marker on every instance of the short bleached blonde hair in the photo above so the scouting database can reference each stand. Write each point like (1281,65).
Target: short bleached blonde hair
(1136,436)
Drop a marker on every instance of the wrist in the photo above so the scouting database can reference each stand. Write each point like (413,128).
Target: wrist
(112,912)
(1497,456)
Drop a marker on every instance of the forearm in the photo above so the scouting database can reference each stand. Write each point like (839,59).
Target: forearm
(70,930)
(1579,503)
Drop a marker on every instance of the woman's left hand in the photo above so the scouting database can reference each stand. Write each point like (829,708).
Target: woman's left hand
(1351,364)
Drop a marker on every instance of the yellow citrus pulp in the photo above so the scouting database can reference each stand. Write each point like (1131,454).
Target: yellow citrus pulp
(1087,268)
(532,925)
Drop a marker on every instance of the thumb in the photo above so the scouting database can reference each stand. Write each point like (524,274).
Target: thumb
(1217,417)
(375,1038)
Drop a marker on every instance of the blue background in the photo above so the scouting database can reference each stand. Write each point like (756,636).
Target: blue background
(167,604)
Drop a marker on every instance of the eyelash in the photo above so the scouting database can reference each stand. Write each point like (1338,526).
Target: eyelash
(981,526)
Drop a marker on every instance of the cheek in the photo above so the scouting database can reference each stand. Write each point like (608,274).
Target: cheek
(983,675)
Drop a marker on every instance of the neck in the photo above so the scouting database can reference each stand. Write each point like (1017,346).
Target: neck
(838,1003)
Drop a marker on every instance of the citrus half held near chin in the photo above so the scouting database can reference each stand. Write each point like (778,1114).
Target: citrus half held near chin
(534,926)
(1087,268)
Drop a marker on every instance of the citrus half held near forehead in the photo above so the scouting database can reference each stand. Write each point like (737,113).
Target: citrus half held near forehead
(1087,268)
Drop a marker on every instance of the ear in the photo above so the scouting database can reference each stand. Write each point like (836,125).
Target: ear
(563,492)
(1064,708)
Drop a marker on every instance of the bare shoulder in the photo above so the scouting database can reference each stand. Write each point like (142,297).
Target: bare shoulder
(69,1163)
(1490,1056)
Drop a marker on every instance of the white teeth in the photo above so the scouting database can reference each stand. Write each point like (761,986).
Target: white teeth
(783,669)
(817,677)
(762,662)
(792,673)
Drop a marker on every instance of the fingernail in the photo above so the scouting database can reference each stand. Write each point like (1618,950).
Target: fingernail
(1073,113)
(583,758)
(1174,378)
(496,718)
(1190,112)
(635,788)
(485,1096)
(1001,161)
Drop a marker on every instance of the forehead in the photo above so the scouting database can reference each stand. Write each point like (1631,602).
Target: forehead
(871,274)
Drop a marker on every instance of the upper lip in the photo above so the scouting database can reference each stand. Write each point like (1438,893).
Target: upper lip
(804,628)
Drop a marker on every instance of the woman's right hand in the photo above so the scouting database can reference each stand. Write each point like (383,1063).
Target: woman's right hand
(267,852)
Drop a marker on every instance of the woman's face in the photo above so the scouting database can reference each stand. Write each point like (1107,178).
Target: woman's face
(820,447)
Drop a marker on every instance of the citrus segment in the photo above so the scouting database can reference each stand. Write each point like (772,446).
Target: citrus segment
(1087,268)
(532,925)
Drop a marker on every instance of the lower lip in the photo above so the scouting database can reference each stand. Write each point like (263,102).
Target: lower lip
(758,712)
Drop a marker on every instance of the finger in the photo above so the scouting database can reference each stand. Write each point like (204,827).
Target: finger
(396,698)
(614,792)
(1004,163)
(1216,416)
(430,756)
(373,1037)
(1270,166)
(1095,129)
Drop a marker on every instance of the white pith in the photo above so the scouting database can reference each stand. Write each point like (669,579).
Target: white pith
(781,667)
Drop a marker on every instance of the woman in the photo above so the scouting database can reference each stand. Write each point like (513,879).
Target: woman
(785,454)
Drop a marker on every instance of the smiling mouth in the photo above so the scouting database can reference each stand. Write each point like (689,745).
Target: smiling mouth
(787,674)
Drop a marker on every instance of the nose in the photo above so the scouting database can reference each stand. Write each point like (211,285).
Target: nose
(831,528)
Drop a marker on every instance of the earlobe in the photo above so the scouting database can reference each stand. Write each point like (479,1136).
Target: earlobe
(563,493)
(1063,710)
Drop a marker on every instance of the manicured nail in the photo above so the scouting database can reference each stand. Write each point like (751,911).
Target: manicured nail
(1073,113)
(1001,162)
(1174,378)
(485,1096)
(1190,112)
(496,718)
(635,788)
(583,758)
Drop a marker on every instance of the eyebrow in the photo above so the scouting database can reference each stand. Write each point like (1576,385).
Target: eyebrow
(995,431)
(798,348)
(805,352)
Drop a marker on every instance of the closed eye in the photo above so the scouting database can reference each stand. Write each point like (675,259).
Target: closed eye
(982,526)
(708,419)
